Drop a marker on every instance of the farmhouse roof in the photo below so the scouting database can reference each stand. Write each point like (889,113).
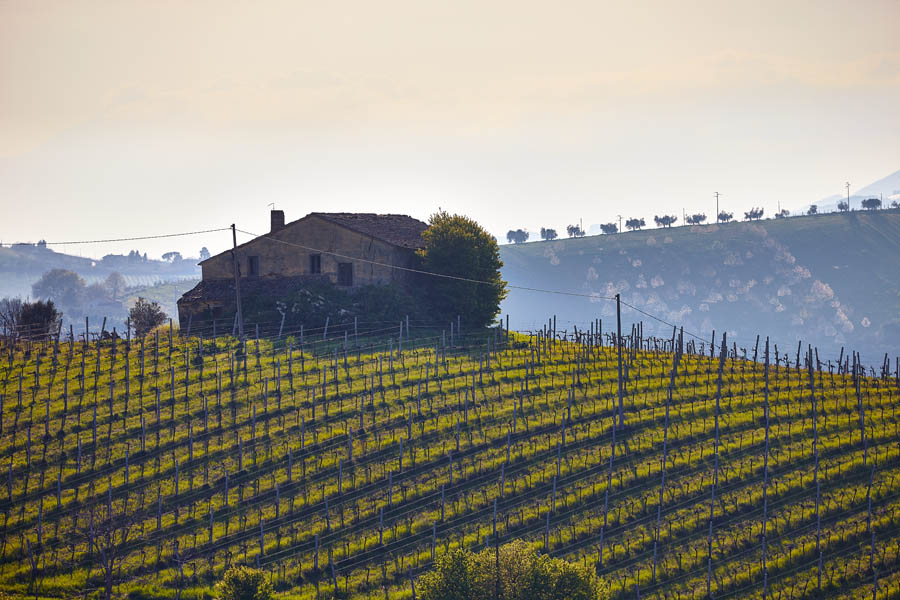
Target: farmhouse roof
(399,230)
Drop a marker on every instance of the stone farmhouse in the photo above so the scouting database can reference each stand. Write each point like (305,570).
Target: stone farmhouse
(348,249)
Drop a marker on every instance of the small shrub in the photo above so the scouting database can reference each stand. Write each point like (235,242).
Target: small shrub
(40,318)
(244,583)
(523,575)
(145,316)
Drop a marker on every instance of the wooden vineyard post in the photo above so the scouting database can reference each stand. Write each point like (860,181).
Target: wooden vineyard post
(765,472)
(612,456)
(712,498)
(869,529)
(812,392)
(857,367)
(662,477)
(619,358)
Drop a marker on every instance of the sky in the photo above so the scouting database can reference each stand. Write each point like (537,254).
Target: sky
(130,118)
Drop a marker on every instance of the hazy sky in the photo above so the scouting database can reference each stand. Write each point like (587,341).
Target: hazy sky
(135,118)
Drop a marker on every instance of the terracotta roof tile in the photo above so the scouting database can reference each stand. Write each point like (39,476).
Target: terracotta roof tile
(399,230)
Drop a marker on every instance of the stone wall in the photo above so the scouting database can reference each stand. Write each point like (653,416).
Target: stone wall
(284,260)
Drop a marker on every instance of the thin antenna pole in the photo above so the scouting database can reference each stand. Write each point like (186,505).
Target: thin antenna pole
(237,282)
(717,207)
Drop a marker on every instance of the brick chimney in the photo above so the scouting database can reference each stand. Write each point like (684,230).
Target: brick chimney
(277,220)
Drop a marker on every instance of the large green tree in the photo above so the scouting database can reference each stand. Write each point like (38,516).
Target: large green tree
(60,285)
(459,248)
(523,574)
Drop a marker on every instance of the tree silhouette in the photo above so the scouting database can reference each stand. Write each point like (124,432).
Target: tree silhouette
(895,204)
(781,214)
(665,220)
(754,214)
(548,234)
(813,210)
(635,223)
(609,228)
(64,287)
(843,206)
(204,253)
(114,286)
(172,256)
(724,217)
(517,236)
(574,231)
(871,203)
(696,219)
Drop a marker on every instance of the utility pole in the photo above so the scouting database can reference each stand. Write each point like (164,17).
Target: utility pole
(237,282)
(847,185)
(717,207)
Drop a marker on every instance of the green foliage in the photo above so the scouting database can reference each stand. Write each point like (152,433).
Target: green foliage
(523,575)
(517,236)
(39,319)
(36,320)
(548,234)
(315,302)
(244,583)
(64,287)
(456,245)
(145,316)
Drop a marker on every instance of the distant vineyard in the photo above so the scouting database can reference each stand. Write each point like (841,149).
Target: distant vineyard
(342,462)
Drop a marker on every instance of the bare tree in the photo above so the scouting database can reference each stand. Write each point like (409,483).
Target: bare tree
(10,316)
(106,537)
(115,285)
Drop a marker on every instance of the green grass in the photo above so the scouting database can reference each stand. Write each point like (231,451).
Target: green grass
(830,280)
(309,464)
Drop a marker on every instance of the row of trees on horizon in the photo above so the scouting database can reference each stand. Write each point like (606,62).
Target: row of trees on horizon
(519,236)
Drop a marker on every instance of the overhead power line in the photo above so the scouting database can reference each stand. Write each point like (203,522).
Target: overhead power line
(470,280)
(127,239)
(376,263)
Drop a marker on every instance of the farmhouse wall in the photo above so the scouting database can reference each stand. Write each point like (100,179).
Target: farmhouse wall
(292,259)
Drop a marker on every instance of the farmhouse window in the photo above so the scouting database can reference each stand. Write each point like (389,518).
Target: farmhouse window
(345,273)
(315,263)
(254,266)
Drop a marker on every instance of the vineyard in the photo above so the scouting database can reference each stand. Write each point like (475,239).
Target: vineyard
(341,463)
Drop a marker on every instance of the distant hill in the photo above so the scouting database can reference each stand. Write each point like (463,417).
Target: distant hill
(830,280)
(23,264)
(886,188)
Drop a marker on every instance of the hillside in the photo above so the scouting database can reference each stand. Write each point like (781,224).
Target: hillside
(23,264)
(147,467)
(830,280)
